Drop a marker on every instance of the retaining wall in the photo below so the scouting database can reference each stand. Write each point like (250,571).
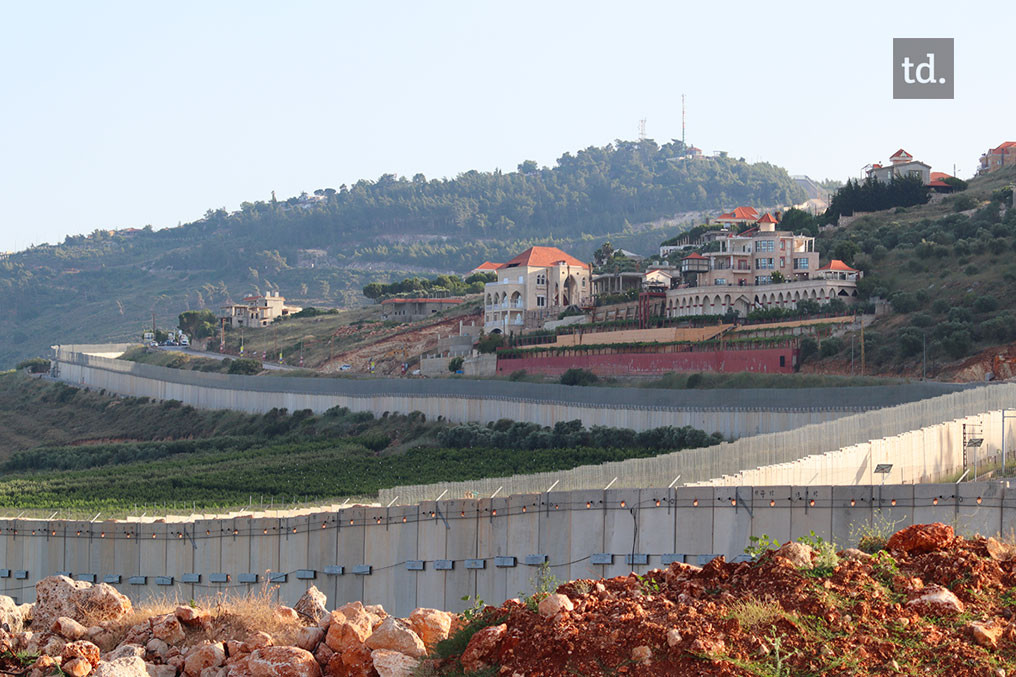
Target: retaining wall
(435,553)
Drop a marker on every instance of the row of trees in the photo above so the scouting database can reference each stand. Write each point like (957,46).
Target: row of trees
(449,285)
(507,434)
(873,195)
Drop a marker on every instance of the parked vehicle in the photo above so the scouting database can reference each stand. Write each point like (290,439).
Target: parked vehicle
(346,367)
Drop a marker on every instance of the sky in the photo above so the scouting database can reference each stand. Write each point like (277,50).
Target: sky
(127,114)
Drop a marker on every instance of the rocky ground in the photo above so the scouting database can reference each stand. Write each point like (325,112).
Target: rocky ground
(926,603)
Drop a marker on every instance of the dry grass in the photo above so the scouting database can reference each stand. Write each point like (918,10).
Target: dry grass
(232,616)
(753,612)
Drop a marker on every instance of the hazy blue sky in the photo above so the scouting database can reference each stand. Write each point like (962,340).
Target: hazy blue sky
(126,114)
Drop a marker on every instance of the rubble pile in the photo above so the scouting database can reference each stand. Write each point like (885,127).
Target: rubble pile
(928,602)
(79,629)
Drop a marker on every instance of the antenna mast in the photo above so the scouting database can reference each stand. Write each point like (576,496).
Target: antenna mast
(682,122)
(642,129)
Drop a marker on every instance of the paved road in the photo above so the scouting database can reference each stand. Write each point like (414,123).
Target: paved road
(271,366)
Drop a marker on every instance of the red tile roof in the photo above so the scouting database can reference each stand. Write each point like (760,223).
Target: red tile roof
(488,265)
(767,218)
(693,255)
(421,301)
(939,175)
(743,213)
(541,257)
(900,153)
(836,264)
(1007,144)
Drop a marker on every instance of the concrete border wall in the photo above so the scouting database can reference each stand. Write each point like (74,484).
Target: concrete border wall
(771,451)
(434,553)
(731,412)
(925,455)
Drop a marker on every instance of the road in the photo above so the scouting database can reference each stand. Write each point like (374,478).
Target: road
(270,366)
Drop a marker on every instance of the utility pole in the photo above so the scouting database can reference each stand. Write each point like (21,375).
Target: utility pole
(924,359)
(862,347)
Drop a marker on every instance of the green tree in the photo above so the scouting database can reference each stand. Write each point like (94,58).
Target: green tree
(197,324)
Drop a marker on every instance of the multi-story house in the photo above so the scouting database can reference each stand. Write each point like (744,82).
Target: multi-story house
(996,158)
(901,165)
(258,311)
(536,284)
(753,256)
(740,276)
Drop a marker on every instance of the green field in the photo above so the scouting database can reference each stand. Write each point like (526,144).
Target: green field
(84,452)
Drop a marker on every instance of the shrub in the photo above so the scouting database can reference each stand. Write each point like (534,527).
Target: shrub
(35,365)
(807,349)
(753,612)
(579,377)
(904,302)
(455,364)
(832,346)
(518,375)
(911,341)
(986,304)
(490,343)
(245,366)
(962,203)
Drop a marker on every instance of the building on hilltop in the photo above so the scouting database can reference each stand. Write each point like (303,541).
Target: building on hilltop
(258,311)
(901,165)
(410,310)
(538,283)
(1003,155)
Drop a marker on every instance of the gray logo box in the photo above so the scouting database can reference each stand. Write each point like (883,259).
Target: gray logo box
(923,68)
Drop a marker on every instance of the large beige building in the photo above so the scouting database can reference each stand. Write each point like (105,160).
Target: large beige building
(752,257)
(535,285)
(258,311)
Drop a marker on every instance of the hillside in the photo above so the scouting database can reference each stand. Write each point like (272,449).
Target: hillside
(321,249)
(946,267)
(72,450)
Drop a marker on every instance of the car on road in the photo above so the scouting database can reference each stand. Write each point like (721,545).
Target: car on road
(346,367)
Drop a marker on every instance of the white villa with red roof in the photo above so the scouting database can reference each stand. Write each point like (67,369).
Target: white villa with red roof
(901,165)
(257,310)
(536,284)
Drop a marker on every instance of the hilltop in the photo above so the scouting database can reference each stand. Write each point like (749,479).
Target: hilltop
(947,269)
(321,249)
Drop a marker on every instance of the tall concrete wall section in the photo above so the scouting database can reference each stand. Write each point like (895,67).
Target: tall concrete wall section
(925,455)
(912,436)
(436,553)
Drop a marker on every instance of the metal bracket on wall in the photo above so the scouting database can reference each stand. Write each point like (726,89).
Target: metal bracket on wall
(739,502)
(437,509)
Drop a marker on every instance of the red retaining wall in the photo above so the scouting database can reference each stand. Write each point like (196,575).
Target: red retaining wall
(766,360)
